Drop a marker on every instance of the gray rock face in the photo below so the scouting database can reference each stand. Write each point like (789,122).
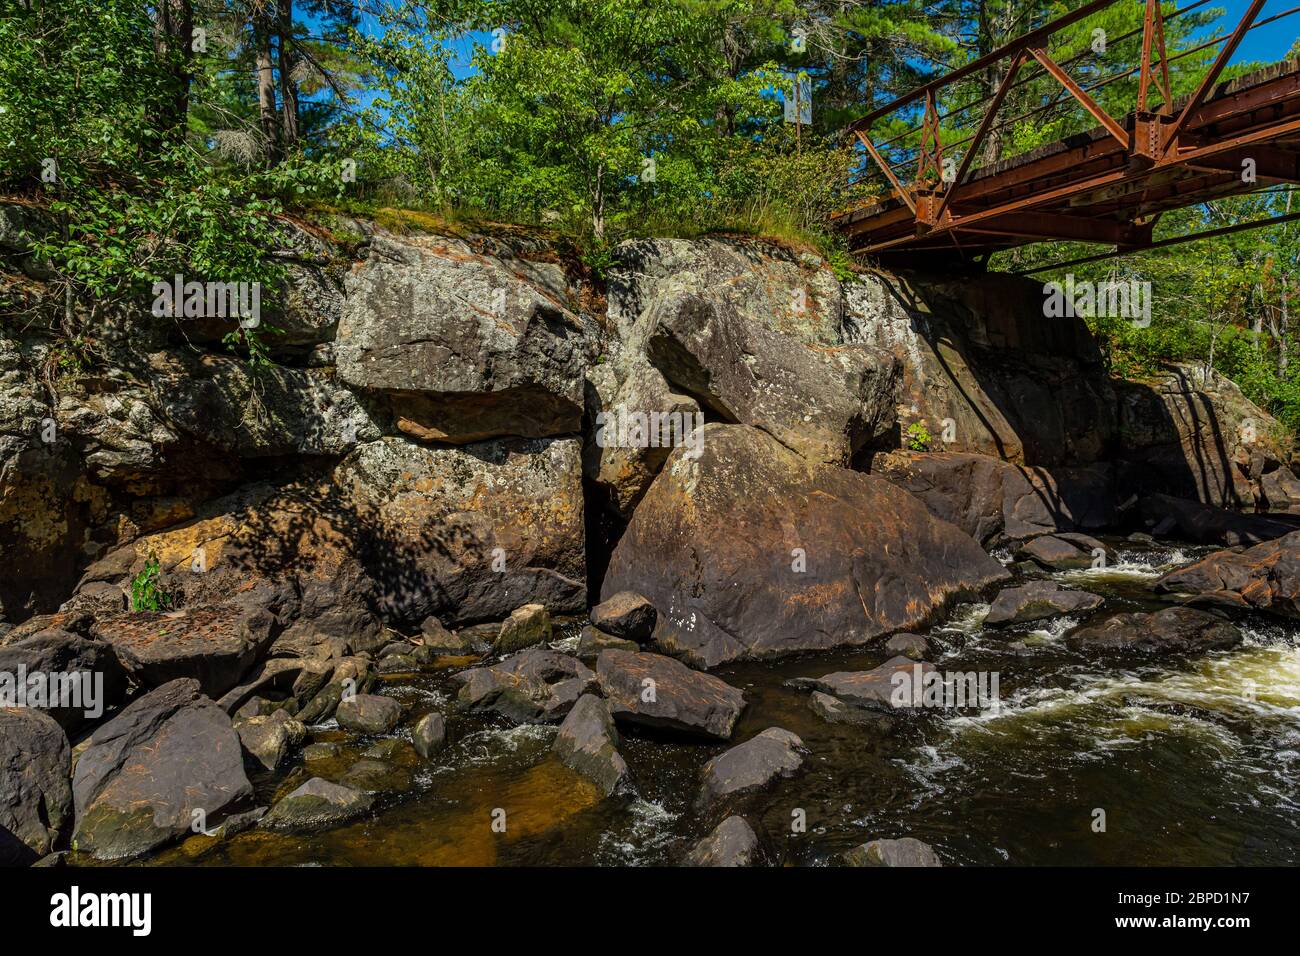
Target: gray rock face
(625,615)
(526,626)
(57,652)
(429,735)
(317,805)
(1038,600)
(1175,630)
(35,792)
(146,772)
(823,402)
(657,691)
(828,556)
(732,843)
(588,743)
(467,346)
(873,689)
(752,766)
(535,685)
(904,852)
(369,714)
(436,516)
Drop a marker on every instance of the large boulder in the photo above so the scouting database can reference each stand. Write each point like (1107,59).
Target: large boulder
(1263,578)
(35,794)
(167,761)
(821,401)
(588,743)
(87,667)
(465,345)
(1174,630)
(753,551)
(747,768)
(657,691)
(994,500)
(535,685)
(214,644)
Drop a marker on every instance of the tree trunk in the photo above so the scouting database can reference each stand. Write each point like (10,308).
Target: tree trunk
(288,85)
(598,204)
(267,117)
(172,39)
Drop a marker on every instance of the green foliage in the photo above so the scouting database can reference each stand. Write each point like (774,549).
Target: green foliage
(146,594)
(918,437)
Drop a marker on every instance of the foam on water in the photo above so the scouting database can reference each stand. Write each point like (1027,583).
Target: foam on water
(650,832)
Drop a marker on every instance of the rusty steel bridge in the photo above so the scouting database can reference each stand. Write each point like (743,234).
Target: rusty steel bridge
(1109,184)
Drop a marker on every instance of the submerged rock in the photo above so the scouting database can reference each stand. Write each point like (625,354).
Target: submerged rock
(873,689)
(317,805)
(835,711)
(773,754)
(1037,600)
(657,691)
(732,843)
(828,556)
(1175,630)
(588,743)
(903,852)
(147,772)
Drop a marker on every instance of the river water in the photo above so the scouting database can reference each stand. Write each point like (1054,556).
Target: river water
(1193,761)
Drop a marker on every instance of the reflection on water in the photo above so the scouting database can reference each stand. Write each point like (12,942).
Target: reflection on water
(1194,762)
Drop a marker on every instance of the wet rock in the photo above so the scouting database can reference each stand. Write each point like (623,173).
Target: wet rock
(419,326)
(398,664)
(437,641)
(732,843)
(593,640)
(317,805)
(873,559)
(376,776)
(1038,600)
(1187,520)
(657,691)
(904,852)
(535,685)
(526,626)
(429,735)
(909,645)
(215,645)
(1175,630)
(625,615)
(1263,578)
(313,753)
(369,714)
(835,711)
(588,743)
(268,739)
(873,689)
(392,750)
(147,771)
(35,794)
(994,500)
(1061,552)
(57,652)
(752,766)
(823,402)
